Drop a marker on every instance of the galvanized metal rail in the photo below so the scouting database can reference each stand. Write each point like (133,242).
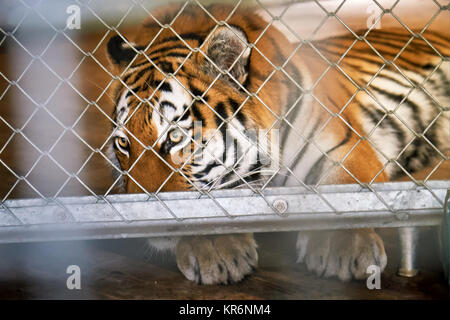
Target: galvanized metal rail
(228,211)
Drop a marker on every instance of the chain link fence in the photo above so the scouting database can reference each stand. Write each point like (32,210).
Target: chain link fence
(56,115)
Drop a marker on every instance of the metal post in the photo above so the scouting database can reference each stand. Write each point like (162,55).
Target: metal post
(444,238)
(408,243)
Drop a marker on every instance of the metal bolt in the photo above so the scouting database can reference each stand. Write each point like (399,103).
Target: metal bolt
(402,216)
(280,205)
(61,215)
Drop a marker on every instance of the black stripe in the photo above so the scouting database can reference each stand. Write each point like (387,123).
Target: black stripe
(415,110)
(384,76)
(167,104)
(235,106)
(291,117)
(197,114)
(302,151)
(140,74)
(147,81)
(175,55)
(206,171)
(166,66)
(221,110)
(445,83)
(388,38)
(166,87)
(132,91)
(378,62)
(434,42)
(293,94)
(376,115)
(419,149)
(197,92)
(117,94)
(145,63)
(227,177)
(371,54)
(184,116)
(127,77)
(314,174)
(412,45)
(159,51)
(186,36)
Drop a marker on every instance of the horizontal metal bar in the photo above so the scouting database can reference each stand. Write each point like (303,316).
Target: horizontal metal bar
(346,206)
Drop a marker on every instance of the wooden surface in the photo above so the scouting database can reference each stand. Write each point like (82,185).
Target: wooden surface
(124,269)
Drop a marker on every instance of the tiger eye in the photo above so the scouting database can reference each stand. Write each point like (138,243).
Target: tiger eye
(176,135)
(123,142)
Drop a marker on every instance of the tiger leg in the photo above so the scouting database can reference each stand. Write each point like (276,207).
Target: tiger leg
(345,254)
(221,259)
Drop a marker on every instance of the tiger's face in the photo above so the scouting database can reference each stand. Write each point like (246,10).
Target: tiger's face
(181,123)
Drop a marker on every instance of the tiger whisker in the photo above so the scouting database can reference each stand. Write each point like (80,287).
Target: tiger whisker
(255,183)
(245,175)
(241,178)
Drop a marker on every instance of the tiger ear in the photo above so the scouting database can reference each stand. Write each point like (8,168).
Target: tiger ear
(228,47)
(120,53)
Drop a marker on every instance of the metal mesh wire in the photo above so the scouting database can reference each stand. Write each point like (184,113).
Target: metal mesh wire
(104,206)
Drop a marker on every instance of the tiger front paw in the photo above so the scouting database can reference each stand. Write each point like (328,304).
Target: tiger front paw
(217,259)
(345,254)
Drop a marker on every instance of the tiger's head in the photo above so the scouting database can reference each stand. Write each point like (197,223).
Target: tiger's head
(183,119)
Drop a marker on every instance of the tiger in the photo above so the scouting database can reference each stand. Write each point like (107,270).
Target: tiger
(193,75)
